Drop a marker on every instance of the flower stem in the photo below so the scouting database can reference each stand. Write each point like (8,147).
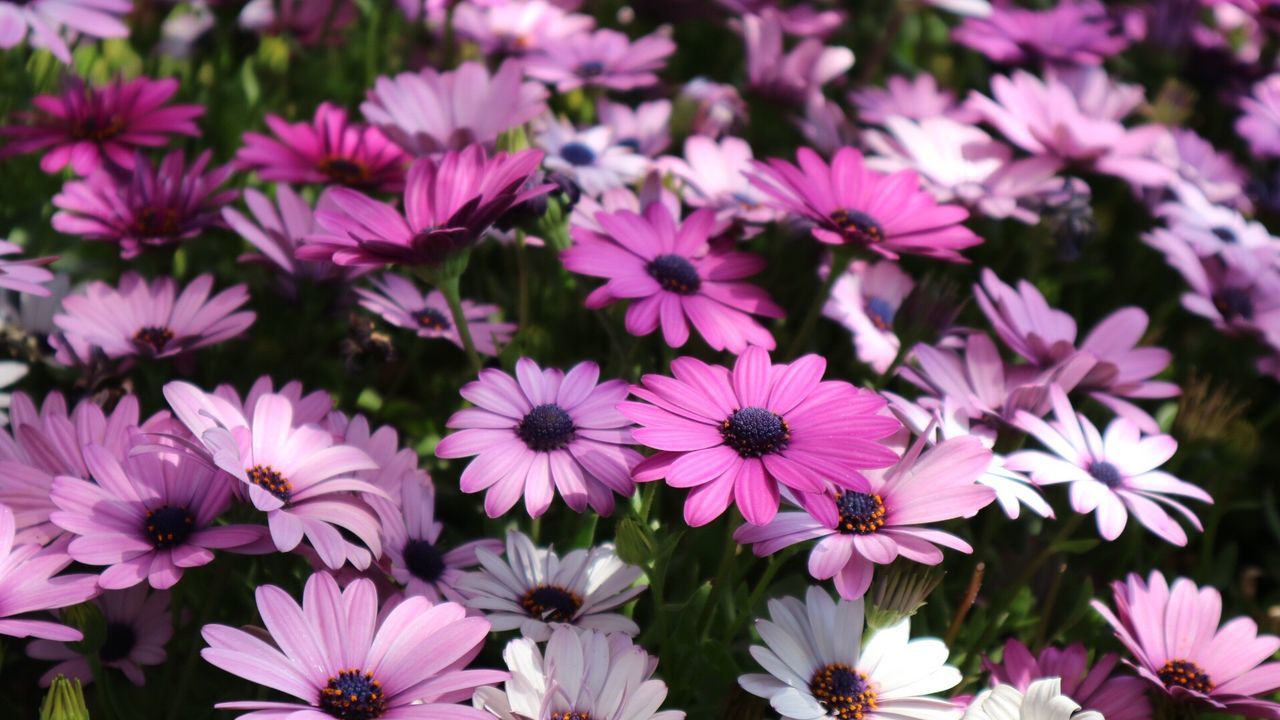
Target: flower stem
(724,576)
(450,286)
(840,257)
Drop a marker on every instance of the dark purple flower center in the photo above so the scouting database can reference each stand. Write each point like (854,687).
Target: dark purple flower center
(1185,674)
(1105,473)
(551,603)
(590,69)
(153,338)
(570,715)
(1225,234)
(1234,303)
(755,432)
(168,526)
(432,319)
(424,560)
(843,692)
(675,274)
(880,312)
(632,143)
(118,643)
(860,513)
(547,427)
(157,222)
(345,171)
(97,127)
(858,227)
(353,695)
(577,154)
(270,479)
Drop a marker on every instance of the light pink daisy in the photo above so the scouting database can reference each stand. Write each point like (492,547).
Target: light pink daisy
(1073,32)
(1213,172)
(137,627)
(602,58)
(1259,124)
(644,128)
(1097,688)
(717,107)
(715,176)
(788,76)
(28,585)
(517,28)
(310,22)
(865,299)
(916,98)
(279,229)
(593,158)
(541,432)
(55,24)
(26,275)
(398,301)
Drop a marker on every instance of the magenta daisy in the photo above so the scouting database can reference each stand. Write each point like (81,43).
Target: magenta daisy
(1074,32)
(1097,688)
(23,275)
(1178,645)
(55,24)
(343,659)
(674,277)
(329,149)
(733,436)
(137,627)
(398,301)
(541,432)
(28,585)
(603,58)
(87,126)
(850,204)
(858,530)
(158,206)
(278,231)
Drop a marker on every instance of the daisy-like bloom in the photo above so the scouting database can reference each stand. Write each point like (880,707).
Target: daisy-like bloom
(1073,32)
(717,107)
(329,149)
(674,278)
(583,674)
(1116,697)
(603,58)
(429,112)
(309,21)
(1259,124)
(449,204)
(734,436)
(28,585)
(157,206)
(825,126)
(865,300)
(542,432)
(715,176)
(517,28)
(278,231)
(401,303)
(593,158)
(1212,229)
(1198,163)
(137,627)
(916,98)
(54,24)
(644,128)
(86,126)
(849,203)
(791,77)
(818,667)
(1042,700)
(858,530)
(535,590)
(23,275)
(800,19)
(11,371)
(343,659)
(1113,474)
(1174,637)
(149,319)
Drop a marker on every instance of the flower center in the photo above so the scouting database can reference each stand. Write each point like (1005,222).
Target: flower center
(272,481)
(858,227)
(168,526)
(577,154)
(844,692)
(153,337)
(880,313)
(1225,234)
(1185,673)
(551,603)
(1105,473)
(860,513)
(118,643)
(1234,303)
(591,68)
(432,319)
(345,171)
(570,715)
(353,695)
(675,274)
(157,222)
(754,432)
(424,560)
(97,128)
(547,427)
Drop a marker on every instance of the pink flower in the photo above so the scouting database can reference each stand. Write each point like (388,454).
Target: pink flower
(799,19)
(329,149)
(865,300)
(1116,697)
(343,658)
(55,23)
(517,28)
(1113,474)
(156,207)
(280,228)
(715,176)
(401,303)
(138,626)
(603,58)
(1173,635)
(645,128)
(27,584)
(733,436)
(917,98)
(1214,229)
(1214,173)
(791,77)
(593,158)
(309,21)
(1259,124)
(717,107)
(541,432)
(85,126)
(23,276)
(1074,32)
(850,204)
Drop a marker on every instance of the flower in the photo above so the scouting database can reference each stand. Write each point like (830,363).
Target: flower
(865,300)
(1198,163)
(309,21)
(518,28)
(137,627)
(541,432)
(535,590)
(850,204)
(674,277)
(280,228)
(1108,473)
(733,436)
(426,113)
(1073,32)
(156,207)
(27,585)
(1113,696)
(1212,229)
(11,371)
(860,530)
(1174,637)
(1259,124)
(55,23)
(24,276)
(400,303)
(149,319)
(86,127)
(916,98)
(342,658)
(592,158)
(603,58)
(715,176)
(329,149)
(449,205)
(583,674)
(716,107)
(818,667)
(1043,700)
(645,128)
(790,77)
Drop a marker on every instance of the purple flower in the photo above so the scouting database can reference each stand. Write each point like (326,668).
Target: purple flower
(309,21)
(788,76)
(1212,229)
(865,300)
(1198,163)
(1095,688)
(644,128)
(401,303)
(342,658)
(541,432)
(717,107)
(85,126)
(26,275)
(592,158)
(280,228)
(603,58)
(1260,122)
(137,627)
(55,23)
(27,584)
(715,176)
(517,28)
(1074,32)
(917,98)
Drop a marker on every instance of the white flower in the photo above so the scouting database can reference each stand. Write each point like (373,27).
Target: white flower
(818,669)
(592,157)
(10,373)
(1044,701)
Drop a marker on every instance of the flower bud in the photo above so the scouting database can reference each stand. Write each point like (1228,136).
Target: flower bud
(64,701)
(898,592)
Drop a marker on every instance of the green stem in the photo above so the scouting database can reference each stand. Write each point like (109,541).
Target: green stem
(522,282)
(451,288)
(840,257)
(776,562)
(723,576)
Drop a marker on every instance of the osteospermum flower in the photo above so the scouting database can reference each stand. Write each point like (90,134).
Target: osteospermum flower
(54,24)
(1178,646)
(603,58)
(398,301)
(734,436)
(865,299)
(86,127)
(818,666)
(343,659)
(645,128)
(860,530)
(790,77)
(309,21)
(715,176)
(1116,697)
(28,585)
(157,206)
(1260,122)
(137,626)
(916,98)
(23,275)
(1212,229)
(1042,700)
(674,277)
(149,319)
(543,432)
(279,229)
(11,371)
(329,149)
(513,29)
(1076,32)
(850,204)
(592,158)
(533,589)
(1113,474)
